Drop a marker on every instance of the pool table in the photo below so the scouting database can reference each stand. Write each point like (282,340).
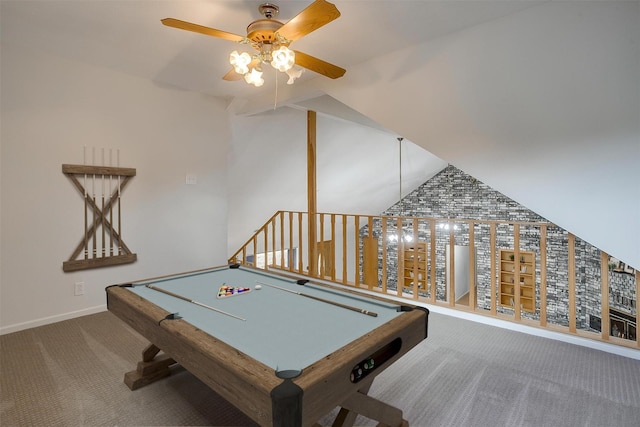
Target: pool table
(284,349)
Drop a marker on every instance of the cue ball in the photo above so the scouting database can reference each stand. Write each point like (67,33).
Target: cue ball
(258,287)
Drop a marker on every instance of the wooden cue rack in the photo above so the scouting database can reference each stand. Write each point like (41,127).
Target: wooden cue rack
(102,244)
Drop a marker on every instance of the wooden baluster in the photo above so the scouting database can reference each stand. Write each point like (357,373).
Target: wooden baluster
(472,266)
(605,326)
(572,283)
(543,275)
(432,261)
(492,251)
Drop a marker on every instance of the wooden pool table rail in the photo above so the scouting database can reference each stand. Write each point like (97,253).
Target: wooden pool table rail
(248,383)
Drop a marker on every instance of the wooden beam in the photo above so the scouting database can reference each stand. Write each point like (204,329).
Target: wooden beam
(311,191)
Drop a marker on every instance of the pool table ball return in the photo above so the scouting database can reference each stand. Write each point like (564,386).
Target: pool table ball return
(284,350)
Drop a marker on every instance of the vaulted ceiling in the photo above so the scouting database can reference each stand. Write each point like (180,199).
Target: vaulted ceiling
(550,91)
(127,35)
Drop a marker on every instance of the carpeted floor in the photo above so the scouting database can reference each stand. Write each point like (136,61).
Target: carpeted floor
(465,374)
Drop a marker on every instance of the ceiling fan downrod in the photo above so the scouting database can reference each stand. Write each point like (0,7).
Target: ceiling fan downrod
(269,10)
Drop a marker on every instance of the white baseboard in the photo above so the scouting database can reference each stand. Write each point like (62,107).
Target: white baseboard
(51,319)
(499,323)
(544,333)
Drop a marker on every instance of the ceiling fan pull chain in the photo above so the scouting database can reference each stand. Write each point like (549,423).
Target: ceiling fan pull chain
(275,101)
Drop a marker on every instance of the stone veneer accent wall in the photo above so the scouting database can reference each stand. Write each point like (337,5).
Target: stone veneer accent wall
(456,195)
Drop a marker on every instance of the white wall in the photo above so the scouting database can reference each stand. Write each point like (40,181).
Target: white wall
(51,109)
(543,106)
(356,169)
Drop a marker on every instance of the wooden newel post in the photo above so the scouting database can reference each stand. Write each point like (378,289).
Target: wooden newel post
(311,192)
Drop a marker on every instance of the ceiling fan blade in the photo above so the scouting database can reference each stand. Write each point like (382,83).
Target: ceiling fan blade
(233,76)
(316,15)
(319,66)
(183,25)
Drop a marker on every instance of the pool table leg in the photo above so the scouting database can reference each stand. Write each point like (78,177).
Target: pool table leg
(149,369)
(363,404)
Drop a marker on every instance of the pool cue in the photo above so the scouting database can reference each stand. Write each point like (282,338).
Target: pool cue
(348,307)
(164,291)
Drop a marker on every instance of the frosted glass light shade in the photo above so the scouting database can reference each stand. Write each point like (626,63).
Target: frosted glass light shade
(283,58)
(254,77)
(240,61)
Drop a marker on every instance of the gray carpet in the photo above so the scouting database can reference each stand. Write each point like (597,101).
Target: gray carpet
(465,374)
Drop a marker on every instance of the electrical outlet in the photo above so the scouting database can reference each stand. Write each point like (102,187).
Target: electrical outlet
(191,179)
(79,289)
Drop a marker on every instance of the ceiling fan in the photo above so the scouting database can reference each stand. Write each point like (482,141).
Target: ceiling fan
(271,39)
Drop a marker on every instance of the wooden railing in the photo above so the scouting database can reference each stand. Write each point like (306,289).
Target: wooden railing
(533,273)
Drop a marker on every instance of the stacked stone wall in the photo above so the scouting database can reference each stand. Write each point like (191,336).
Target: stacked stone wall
(455,195)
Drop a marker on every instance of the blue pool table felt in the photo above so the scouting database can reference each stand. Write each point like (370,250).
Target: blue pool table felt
(282,330)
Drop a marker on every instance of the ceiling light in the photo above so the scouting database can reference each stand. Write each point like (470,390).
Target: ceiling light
(254,77)
(240,61)
(283,59)
(446,226)
(294,73)
(275,53)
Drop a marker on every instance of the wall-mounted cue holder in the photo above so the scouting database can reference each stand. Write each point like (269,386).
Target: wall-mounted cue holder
(101,188)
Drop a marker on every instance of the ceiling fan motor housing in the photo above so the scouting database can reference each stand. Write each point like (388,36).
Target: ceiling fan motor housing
(263,30)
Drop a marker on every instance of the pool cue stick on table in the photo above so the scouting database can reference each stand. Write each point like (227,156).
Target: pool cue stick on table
(164,291)
(348,307)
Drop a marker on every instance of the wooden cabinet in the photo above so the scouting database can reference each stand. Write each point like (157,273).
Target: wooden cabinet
(413,265)
(518,275)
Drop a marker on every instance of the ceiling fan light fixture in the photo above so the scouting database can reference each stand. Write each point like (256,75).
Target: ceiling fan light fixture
(254,77)
(294,73)
(240,61)
(283,59)
(271,39)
